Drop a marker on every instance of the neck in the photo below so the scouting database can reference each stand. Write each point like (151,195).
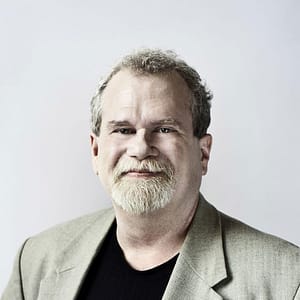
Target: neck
(149,240)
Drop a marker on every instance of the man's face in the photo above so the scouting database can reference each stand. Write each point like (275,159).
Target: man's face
(146,154)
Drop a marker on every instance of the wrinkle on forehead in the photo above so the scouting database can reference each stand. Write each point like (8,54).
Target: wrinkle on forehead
(153,85)
(146,98)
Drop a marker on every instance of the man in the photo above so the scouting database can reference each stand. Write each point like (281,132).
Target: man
(150,149)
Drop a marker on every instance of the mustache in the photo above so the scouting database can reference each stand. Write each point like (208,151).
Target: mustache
(147,165)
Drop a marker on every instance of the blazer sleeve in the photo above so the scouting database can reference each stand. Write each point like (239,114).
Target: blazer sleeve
(14,288)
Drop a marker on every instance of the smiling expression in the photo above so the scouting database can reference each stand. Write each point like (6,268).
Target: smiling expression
(148,117)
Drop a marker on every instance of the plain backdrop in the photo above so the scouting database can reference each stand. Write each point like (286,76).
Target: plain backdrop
(54,52)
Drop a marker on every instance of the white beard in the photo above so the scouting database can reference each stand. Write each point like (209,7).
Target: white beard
(143,195)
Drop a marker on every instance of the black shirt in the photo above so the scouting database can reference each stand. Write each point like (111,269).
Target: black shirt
(111,277)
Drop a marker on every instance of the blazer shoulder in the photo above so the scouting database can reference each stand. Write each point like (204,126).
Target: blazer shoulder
(247,248)
(259,262)
(63,232)
(48,245)
(42,254)
(238,232)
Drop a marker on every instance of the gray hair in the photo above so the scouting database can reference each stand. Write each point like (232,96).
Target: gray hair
(156,61)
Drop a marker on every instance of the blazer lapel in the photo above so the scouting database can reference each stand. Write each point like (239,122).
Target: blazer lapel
(201,263)
(64,283)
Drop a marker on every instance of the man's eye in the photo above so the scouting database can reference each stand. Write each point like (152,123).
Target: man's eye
(164,130)
(124,130)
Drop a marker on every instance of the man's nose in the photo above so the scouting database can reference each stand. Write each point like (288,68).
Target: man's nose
(140,146)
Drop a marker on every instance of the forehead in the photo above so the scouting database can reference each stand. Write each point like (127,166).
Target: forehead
(166,95)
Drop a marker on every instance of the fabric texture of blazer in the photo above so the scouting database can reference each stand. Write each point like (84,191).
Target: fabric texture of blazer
(221,258)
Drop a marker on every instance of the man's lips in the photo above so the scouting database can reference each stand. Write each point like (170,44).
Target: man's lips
(140,173)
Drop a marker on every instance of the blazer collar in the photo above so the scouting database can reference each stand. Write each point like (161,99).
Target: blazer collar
(201,263)
(75,259)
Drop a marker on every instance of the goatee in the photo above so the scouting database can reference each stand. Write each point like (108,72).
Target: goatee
(139,195)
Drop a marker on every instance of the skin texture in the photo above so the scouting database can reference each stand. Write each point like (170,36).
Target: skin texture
(148,116)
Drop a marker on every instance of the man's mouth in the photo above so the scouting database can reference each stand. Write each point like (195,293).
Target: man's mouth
(140,173)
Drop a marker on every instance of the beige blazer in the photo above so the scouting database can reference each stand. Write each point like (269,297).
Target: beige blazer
(221,258)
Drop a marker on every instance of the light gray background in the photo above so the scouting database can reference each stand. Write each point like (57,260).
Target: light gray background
(54,52)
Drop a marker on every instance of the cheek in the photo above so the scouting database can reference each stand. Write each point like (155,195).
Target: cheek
(174,151)
(107,160)
(109,153)
(185,157)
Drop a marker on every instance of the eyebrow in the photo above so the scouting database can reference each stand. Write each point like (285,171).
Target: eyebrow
(115,124)
(167,121)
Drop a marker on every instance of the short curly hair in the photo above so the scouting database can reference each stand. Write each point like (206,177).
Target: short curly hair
(156,61)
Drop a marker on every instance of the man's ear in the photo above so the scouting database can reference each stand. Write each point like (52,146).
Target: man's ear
(94,152)
(205,146)
(94,144)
